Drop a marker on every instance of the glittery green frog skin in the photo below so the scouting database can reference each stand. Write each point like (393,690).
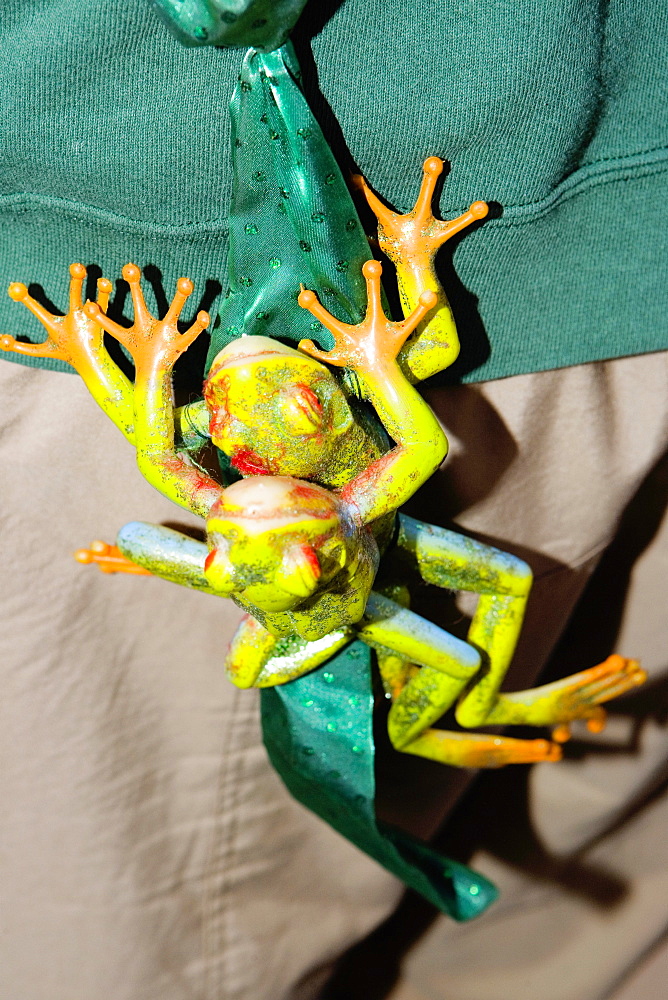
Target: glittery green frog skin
(298,542)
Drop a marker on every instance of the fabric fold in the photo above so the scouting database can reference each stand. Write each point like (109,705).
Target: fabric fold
(318,731)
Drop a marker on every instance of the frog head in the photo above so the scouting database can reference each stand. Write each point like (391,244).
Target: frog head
(273,410)
(274,541)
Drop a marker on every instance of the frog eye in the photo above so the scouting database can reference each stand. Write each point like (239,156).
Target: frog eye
(300,571)
(301,409)
(219,570)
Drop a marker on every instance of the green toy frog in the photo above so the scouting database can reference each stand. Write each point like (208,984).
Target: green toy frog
(297,544)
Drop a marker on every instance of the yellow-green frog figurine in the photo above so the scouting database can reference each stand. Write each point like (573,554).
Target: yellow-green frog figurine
(298,543)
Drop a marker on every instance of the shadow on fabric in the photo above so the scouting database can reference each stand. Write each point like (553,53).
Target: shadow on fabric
(372,968)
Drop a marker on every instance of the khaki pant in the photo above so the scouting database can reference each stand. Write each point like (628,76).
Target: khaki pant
(149,852)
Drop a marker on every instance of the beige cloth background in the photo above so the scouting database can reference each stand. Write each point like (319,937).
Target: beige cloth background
(147,850)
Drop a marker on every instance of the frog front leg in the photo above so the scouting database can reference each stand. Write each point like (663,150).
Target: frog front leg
(78,339)
(154,550)
(447,559)
(155,345)
(411,242)
(370,349)
(256,658)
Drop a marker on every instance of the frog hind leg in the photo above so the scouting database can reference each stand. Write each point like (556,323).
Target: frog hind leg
(480,749)
(422,694)
(578,696)
(424,699)
(447,559)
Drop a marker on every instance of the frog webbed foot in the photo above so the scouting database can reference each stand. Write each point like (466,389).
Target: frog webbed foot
(70,337)
(579,696)
(109,559)
(153,343)
(371,345)
(417,235)
(412,241)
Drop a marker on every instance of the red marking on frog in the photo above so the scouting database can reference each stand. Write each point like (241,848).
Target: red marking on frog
(314,499)
(216,397)
(248,463)
(218,425)
(365,482)
(307,401)
(305,492)
(312,559)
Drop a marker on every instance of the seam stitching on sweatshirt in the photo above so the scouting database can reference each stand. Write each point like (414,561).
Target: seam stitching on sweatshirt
(604,171)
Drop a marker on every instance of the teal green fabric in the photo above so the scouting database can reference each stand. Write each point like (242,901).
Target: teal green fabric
(292,220)
(264,24)
(115,142)
(318,733)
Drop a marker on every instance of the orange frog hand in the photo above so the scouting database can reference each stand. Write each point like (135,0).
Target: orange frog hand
(149,339)
(372,344)
(108,559)
(417,234)
(412,241)
(70,337)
